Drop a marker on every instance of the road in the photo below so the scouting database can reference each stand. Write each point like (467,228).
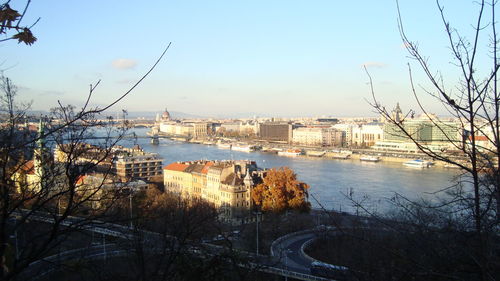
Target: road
(289,251)
(292,263)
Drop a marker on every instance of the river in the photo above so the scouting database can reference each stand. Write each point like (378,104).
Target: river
(330,180)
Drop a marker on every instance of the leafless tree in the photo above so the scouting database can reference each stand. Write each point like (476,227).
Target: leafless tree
(472,207)
(52,192)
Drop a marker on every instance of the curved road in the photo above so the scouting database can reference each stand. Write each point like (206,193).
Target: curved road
(288,250)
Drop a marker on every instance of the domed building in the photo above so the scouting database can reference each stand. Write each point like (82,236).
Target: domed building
(166,116)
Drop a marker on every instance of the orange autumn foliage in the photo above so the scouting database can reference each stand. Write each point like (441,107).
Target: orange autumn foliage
(281,191)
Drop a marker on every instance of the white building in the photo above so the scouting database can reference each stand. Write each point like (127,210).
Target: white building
(366,135)
(317,136)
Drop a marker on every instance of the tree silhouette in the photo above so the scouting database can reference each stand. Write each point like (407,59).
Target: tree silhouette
(465,221)
(11,24)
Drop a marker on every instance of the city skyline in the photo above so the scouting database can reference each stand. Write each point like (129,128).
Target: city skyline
(281,58)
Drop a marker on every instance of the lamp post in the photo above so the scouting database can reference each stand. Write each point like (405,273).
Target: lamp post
(284,254)
(286,263)
(257,214)
(15,237)
(104,245)
(131,212)
(59,206)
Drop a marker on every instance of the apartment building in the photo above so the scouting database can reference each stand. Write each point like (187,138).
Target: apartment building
(317,136)
(225,184)
(276,131)
(135,163)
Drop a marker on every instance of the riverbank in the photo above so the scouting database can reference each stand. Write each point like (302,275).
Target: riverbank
(330,179)
(331,153)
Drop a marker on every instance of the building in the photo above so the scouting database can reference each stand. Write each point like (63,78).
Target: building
(101,188)
(230,127)
(425,130)
(200,130)
(196,130)
(225,184)
(135,163)
(25,178)
(126,163)
(276,131)
(249,128)
(82,153)
(366,134)
(327,120)
(318,136)
(174,179)
(40,175)
(346,129)
(166,116)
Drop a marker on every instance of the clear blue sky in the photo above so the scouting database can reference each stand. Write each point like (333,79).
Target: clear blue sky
(283,58)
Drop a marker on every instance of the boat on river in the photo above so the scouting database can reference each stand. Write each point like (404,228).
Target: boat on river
(272,150)
(315,153)
(290,152)
(418,163)
(243,147)
(368,158)
(224,145)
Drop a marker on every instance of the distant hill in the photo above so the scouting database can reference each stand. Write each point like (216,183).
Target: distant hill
(131,114)
(152,114)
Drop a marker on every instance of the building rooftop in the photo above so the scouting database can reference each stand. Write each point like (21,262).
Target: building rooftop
(28,167)
(232,179)
(180,167)
(206,167)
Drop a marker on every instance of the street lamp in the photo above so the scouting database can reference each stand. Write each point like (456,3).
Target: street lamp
(104,245)
(284,253)
(257,214)
(15,237)
(131,213)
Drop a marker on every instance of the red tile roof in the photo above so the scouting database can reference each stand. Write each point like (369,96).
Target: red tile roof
(207,165)
(28,167)
(81,180)
(479,138)
(180,167)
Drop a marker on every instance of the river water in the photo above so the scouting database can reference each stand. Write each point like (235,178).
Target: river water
(330,180)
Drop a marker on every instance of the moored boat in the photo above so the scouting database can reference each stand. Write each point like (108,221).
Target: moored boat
(338,155)
(290,152)
(243,147)
(267,149)
(368,158)
(418,163)
(315,153)
(341,156)
(224,145)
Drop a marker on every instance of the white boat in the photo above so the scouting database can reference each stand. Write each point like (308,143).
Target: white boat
(315,153)
(290,152)
(341,156)
(418,163)
(224,145)
(368,158)
(243,147)
(267,149)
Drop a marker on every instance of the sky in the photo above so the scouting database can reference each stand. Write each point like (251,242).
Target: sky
(232,58)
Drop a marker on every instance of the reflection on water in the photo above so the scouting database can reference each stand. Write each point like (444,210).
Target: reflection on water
(330,180)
